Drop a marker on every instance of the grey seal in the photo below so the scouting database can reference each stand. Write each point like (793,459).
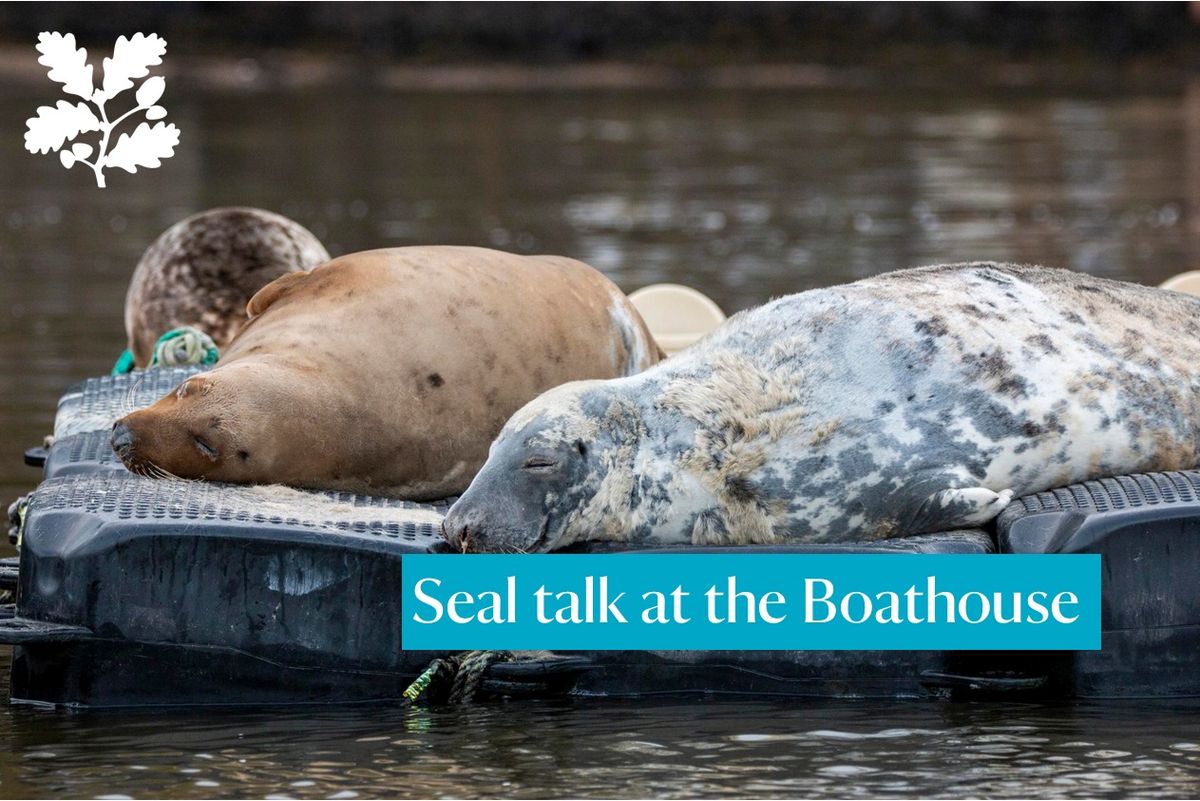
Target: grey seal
(203,270)
(915,401)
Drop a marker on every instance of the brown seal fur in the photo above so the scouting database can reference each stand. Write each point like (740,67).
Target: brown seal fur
(388,371)
(201,272)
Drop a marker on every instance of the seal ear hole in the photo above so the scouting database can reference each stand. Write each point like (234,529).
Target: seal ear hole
(244,455)
(579,446)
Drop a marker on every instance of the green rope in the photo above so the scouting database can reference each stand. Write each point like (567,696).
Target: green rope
(124,363)
(423,681)
(459,677)
(184,346)
(178,346)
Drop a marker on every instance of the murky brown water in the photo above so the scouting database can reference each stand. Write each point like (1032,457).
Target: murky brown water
(544,750)
(745,195)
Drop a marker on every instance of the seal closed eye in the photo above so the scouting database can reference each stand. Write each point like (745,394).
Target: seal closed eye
(205,448)
(915,401)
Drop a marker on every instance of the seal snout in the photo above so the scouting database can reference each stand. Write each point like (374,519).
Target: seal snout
(468,530)
(122,439)
(457,530)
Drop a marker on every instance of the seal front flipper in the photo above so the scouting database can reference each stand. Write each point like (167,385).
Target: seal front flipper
(273,291)
(955,508)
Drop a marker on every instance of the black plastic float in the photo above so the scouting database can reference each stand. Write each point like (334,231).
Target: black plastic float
(132,591)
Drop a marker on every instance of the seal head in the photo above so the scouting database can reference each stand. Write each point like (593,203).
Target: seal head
(210,428)
(545,462)
(201,272)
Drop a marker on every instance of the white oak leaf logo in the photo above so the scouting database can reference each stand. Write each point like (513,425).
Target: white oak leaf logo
(68,64)
(54,126)
(131,58)
(146,147)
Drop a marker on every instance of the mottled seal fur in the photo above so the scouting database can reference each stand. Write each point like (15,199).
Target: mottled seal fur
(388,372)
(202,271)
(911,402)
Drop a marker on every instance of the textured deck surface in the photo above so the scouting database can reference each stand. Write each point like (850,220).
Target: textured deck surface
(1108,494)
(119,496)
(95,404)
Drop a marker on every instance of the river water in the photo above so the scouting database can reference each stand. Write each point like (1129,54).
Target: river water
(635,750)
(743,194)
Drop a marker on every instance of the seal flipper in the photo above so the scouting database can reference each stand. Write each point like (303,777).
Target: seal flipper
(273,291)
(954,508)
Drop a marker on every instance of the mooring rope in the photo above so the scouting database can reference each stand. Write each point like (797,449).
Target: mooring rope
(125,363)
(179,346)
(16,520)
(462,674)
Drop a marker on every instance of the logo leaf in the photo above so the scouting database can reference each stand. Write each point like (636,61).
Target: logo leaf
(145,147)
(68,63)
(132,58)
(57,124)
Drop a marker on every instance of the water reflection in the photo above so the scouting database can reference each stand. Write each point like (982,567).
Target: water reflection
(567,749)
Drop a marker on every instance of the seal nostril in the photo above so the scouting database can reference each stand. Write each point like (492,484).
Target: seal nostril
(455,536)
(122,437)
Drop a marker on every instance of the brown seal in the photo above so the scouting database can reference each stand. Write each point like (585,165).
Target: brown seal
(388,372)
(201,272)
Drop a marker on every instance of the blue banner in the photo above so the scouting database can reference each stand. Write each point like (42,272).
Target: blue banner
(751,602)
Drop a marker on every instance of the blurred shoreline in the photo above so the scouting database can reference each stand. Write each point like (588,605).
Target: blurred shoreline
(519,46)
(298,70)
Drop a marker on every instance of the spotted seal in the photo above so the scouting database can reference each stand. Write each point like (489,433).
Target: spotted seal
(911,402)
(388,372)
(201,272)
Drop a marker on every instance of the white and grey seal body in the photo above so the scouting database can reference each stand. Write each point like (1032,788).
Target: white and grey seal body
(915,401)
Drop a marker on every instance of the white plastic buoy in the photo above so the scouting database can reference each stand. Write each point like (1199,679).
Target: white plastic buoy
(1188,282)
(676,315)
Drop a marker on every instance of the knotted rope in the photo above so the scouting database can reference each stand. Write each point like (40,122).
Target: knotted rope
(458,678)
(179,346)
(16,520)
